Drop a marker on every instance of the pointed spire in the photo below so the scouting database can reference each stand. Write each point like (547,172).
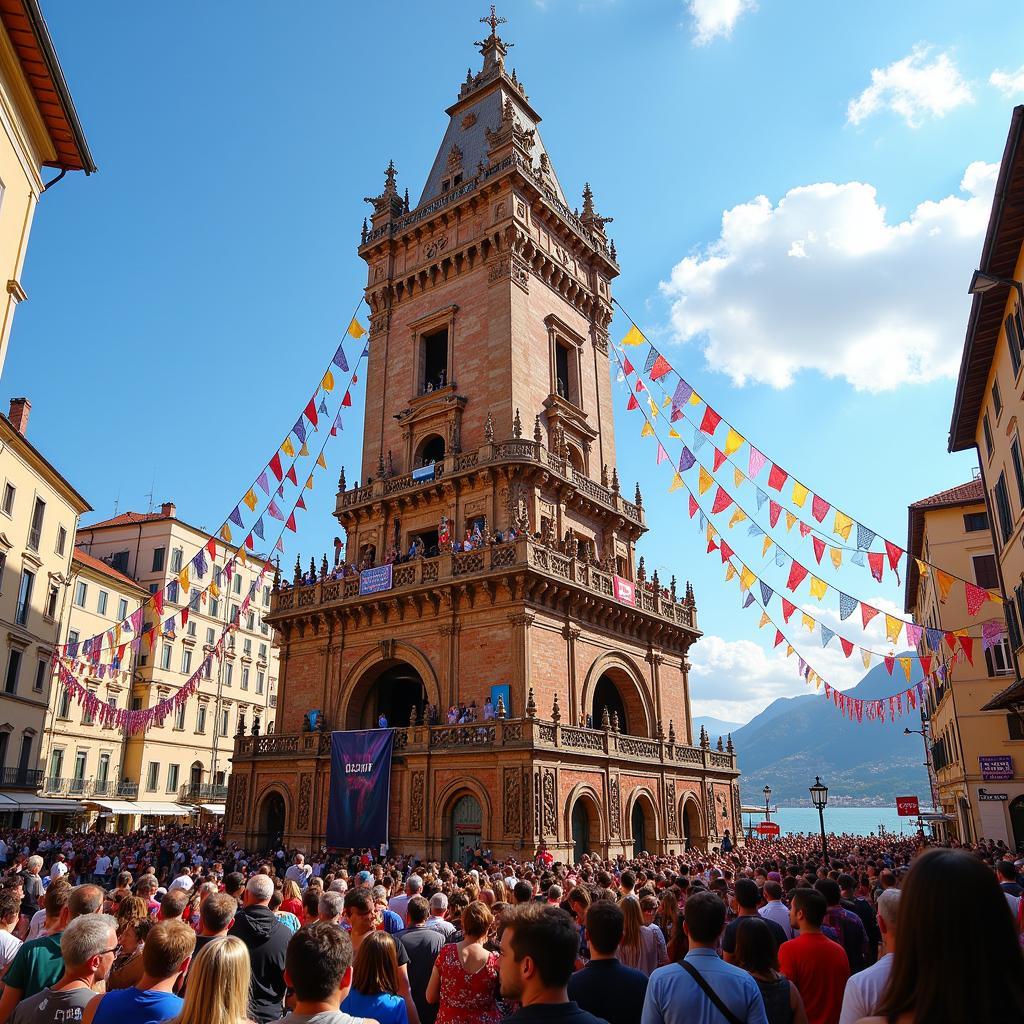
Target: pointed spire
(341,480)
(615,480)
(323,567)
(588,201)
(366,231)
(671,732)
(531,705)
(390,174)
(556,711)
(537,434)
(517,426)
(493,49)
(729,747)
(638,498)
(489,428)
(611,251)
(604,475)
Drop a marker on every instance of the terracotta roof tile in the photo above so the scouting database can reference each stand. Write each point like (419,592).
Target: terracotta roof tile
(970,491)
(86,559)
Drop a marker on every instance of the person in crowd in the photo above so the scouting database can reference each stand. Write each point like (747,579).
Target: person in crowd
(173,906)
(935,977)
(10,915)
(774,909)
(216,916)
(852,934)
(1008,878)
(463,980)
(438,912)
(696,988)
(756,950)
(169,946)
(422,945)
(538,953)
(87,947)
(218,983)
(46,920)
(666,917)
(318,969)
(330,907)
(747,898)
(643,946)
(145,888)
(38,964)
(605,986)
(267,941)
(131,940)
(291,898)
(300,872)
(813,962)
(374,991)
(32,885)
(864,990)
(853,901)
(399,903)
(286,917)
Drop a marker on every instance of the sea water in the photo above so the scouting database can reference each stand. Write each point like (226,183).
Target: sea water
(861,821)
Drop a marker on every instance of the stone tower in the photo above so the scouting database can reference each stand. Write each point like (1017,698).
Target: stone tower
(489,417)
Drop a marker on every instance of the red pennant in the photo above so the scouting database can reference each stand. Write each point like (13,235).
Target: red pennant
(819,547)
(777,477)
(291,475)
(301,503)
(719,459)
(211,547)
(275,466)
(774,508)
(627,367)
(640,385)
(895,553)
(347,400)
(310,411)
(660,368)
(950,639)
(787,609)
(712,546)
(677,414)
(184,616)
(819,508)
(889,662)
(722,501)
(632,403)
(804,529)
(778,638)
(726,551)
(693,506)
(875,564)
(867,613)
(158,602)
(926,664)
(710,421)
(976,597)
(249,542)
(847,646)
(291,522)
(797,574)
(967,646)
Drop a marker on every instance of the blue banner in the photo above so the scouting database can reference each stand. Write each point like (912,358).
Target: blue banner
(423,473)
(373,581)
(360,797)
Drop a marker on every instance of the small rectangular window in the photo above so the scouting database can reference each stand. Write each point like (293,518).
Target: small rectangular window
(64,705)
(51,601)
(1014,342)
(153,776)
(62,539)
(228,672)
(266,597)
(13,670)
(210,635)
(997,399)
(119,561)
(172,778)
(176,556)
(191,628)
(81,592)
(172,591)
(165,656)
(136,704)
(236,583)
(1002,503)
(24,597)
(987,430)
(1015,726)
(158,559)
(260,679)
(201,718)
(224,722)
(1018,468)
(101,602)
(8,503)
(985,571)
(214,608)
(122,609)
(186,661)
(974,522)
(179,717)
(42,667)
(434,359)
(35,530)
(245,679)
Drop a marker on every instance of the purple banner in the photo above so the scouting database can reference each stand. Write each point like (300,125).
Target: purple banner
(373,581)
(360,798)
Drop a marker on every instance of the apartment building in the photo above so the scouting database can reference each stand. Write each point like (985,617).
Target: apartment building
(951,529)
(182,766)
(988,413)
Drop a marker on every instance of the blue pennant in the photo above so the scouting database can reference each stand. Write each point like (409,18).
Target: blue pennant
(761,498)
(300,430)
(749,600)
(780,556)
(339,359)
(258,528)
(236,516)
(858,558)
(865,537)
(847,605)
(766,593)
(652,358)
(826,635)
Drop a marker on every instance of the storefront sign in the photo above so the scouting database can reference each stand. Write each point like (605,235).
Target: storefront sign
(996,767)
(983,795)
(907,806)
(624,590)
(373,581)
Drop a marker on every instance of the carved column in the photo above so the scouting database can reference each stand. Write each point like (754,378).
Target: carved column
(331,670)
(521,623)
(654,659)
(572,634)
(450,666)
(684,664)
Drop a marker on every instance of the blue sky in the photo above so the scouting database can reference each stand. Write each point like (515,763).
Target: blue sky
(183,301)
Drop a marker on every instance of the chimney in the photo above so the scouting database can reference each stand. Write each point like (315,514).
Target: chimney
(168,508)
(20,408)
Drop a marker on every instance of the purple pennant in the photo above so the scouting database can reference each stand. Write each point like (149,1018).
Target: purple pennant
(766,593)
(199,563)
(136,619)
(280,490)
(258,528)
(339,359)
(236,516)
(682,394)
(337,422)
(748,600)
(73,650)
(169,625)
(279,546)
(262,481)
(273,510)
(300,430)
(323,406)
(686,459)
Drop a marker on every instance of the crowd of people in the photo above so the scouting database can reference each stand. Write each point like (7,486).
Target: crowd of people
(174,924)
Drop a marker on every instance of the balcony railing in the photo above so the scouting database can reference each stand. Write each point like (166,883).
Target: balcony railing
(524,552)
(21,778)
(203,792)
(519,733)
(80,788)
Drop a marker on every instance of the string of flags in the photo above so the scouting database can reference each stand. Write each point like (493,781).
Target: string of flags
(960,643)
(711,423)
(196,568)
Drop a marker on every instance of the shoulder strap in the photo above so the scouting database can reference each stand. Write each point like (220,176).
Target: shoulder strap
(710,993)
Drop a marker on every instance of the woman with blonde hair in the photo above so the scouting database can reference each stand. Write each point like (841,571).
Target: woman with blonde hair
(217,990)
(642,946)
(291,898)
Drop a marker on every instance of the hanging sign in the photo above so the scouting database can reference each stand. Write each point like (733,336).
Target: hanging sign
(767,828)
(625,590)
(373,581)
(907,806)
(996,767)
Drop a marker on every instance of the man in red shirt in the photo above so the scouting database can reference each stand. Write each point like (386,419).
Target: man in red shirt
(812,961)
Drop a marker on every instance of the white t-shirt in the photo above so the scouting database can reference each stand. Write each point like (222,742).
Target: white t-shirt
(9,945)
(864,991)
(35,926)
(399,904)
(181,882)
(103,865)
(300,874)
(778,912)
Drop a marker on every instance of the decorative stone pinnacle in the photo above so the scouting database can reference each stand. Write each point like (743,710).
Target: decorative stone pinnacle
(277,575)
(405,202)
(366,231)
(342,486)
(638,498)
(615,480)
(556,711)
(641,570)
(500,710)
(728,745)
(298,568)
(390,187)
(380,464)
(323,566)
(611,250)
(661,731)
(606,722)
(655,580)
(588,201)
(312,567)
(537,433)
(671,732)
(489,429)
(672,589)
(517,425)
(721,746)
(604,475)
(531,705)
(615,721)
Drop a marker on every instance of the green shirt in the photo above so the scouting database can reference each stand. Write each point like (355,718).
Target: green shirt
(37,965)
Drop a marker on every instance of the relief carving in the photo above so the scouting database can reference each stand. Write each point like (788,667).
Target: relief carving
(499,269)
(550,825)
(416,803)
(670,806)
(468,121)
(305,799)
(435,246)
(613,805)
(241,796)
(513,805)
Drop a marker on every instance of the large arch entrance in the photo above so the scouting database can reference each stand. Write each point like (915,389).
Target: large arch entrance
(466,825)
(607,697)
(1017,822)
(639,827)
(391,689)
(271,818)
(690,817)
(615,683)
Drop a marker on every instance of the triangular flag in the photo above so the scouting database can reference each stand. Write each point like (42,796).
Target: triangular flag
(778,638)
(719,458)
(356,329)
(787,609)
(705,480)
(764,620)
(905,665)
(819,548)
(275,466)
(875,564)
(790,519)
(710,421)
(738,516)
(747,579)
(721,503)
(290,525)
(776,477)
(755,463)
(632,403)
(328,381)
(836,554)
(976,597)
(633,336)
(894,553)
(807,622)
(945,582)
(846,645)
(867,613)
(733,442)
(819,508)
(865,656)
(799,494)
(660,368)
(967,646)
(890,661)
(662,454)
(627,366)
(893,628)
(648,430)
(288,448)
(766,593)
(225,532)
(310,411)
(842,525)
(797,574)
(677,482)
(347,400)
(818,588)
(693,506)
(686,460)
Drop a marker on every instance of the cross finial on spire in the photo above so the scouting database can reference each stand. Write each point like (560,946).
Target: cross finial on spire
(493,49)
(494,21)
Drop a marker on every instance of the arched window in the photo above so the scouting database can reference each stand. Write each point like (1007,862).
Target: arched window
(431,449)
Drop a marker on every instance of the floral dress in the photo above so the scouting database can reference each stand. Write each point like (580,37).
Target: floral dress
(467,998)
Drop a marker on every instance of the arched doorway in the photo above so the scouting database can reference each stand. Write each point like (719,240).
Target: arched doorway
(466,824)
(606,695)
(391,688)
(638,826)
(581,835)
(195,775)
(1017,822)
(690,817)
(271,819)
(431,449)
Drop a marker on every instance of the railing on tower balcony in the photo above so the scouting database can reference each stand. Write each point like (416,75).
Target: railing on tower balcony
(523,552)
(509,733)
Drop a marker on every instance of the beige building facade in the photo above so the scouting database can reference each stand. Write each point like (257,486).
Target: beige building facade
(39,513)
(183,766)
(951,529)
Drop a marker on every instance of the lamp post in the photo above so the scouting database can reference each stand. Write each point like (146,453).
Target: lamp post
(767,803)
(819,797)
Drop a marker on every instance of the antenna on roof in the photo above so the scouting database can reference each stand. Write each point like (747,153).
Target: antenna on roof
(117,502)
(152,488)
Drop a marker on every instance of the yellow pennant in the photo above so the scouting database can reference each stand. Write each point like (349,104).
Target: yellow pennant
(677,482)
(288,448)
(817,681)
(704,480)
(799,494)
(865,656)
(241,555)
(922,567)
(730,572)
(764,620)
(842,525)
(837,556)
(807,621)
(320,461)
(766,545)
(225,533)
(790,519)
(945,582)
(250,501)
(905,663)
(214,589)
(633,336)
(737,517)
(304,451)
(737,477)
(667,402)
(711,532)
(818,588)
(789,650)
(893,628)
(747,578)
(695,399)
(356,329)
(183,579)
(309,483)
(673,433)
(648,430)
(328,382)
(654,408)
(733,442)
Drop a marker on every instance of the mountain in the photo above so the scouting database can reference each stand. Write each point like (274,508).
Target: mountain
(715,726)
(796,738)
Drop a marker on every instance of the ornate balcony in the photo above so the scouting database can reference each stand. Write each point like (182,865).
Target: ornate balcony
(109,788)
(202,792)
(21,778)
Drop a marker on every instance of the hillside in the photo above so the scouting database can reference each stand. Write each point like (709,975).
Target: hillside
(796,738)
(715,726)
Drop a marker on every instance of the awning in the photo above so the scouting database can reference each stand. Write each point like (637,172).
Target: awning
(30,802)
(139,807)
(213,808)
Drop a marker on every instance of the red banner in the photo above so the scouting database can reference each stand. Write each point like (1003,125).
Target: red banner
(767,828)
(907,806)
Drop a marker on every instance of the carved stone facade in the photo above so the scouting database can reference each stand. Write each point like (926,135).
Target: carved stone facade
(494,280)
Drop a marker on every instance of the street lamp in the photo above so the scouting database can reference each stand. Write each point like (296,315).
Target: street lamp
(767,803)
(819,797)
(982,282)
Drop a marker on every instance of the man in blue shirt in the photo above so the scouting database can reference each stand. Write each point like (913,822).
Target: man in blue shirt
(676,995)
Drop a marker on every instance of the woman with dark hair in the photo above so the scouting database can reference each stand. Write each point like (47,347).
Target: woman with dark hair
(464,981)
(757,954)
(957,957)
(374,991)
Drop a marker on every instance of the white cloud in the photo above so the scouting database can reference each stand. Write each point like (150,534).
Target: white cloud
(913,87)
(714,18)
(823,281)
(1009,83)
